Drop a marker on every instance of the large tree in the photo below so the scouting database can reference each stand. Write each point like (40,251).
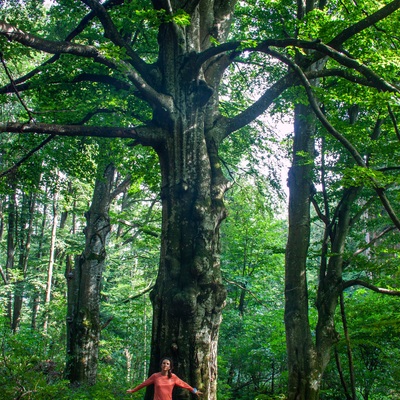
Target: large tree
(173,61)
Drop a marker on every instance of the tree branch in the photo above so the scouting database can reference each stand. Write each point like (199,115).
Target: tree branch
(319,212)
(359,282)
(27,156)
(372,242)
(14,87)
(338,136)
(136,296)
(259,106)
(365,23)
(54,47)
(49,46)
(145,135)
(394,121)
(241,287)
(81,26)
(340,73)
(122,187)
(84,77)
(262,104)
(111,32)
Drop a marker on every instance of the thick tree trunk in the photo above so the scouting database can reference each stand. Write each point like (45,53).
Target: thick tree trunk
(84,282)
(189,295)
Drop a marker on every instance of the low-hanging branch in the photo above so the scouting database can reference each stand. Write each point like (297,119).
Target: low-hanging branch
(145,135)
(360,282)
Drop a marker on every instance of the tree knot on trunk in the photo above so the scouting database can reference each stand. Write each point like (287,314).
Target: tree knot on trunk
(185,302)
(200,92)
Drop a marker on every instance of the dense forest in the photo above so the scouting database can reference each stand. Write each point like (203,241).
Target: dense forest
(215,181)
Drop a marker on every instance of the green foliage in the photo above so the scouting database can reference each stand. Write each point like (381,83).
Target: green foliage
(360,176)
(373,326)
(26,369)
(252,347)
(157,17)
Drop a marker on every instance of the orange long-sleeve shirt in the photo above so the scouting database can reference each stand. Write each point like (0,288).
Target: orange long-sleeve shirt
(163,386)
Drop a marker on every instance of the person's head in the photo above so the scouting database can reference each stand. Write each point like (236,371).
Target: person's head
(166,364)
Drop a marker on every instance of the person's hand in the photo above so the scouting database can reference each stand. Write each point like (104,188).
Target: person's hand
(129,391)
(198,393)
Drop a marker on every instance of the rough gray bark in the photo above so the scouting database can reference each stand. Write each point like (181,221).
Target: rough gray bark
(189,295)
(84,283)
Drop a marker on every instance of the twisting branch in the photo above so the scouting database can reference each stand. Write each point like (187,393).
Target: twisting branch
(338,136)
(3,62)
(58,47)
(351,63)
(81,26)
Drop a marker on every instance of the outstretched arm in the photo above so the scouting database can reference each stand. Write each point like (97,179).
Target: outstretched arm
(182,384)
(147,382)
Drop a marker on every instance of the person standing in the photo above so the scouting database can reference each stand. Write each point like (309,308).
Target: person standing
(164,382)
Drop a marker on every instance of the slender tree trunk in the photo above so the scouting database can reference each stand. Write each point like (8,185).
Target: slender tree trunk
(341,375)
(25,235)
(307,359)
(11,231)
(349,350)
(304,372)
(39,255)
(1,220)
(84,283)
(50,266)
